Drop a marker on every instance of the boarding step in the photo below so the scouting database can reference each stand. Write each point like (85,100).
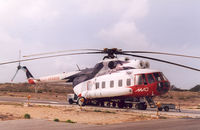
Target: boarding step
(151,102)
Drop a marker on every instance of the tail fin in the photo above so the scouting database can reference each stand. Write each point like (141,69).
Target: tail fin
(28,75)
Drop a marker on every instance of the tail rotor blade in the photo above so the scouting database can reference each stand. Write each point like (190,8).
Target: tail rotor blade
(14,75)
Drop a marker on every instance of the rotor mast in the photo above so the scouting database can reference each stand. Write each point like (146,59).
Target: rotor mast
(111,53)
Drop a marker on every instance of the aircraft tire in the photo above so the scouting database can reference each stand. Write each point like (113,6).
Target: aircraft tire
(81,101)
(102,104)
(166,108)
(97,103)
(137,106)
(141,106)
(120,104)
(114,104)
(130,105)
(108,104)
(71,101)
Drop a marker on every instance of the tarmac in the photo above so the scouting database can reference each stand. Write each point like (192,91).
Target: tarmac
(165,124)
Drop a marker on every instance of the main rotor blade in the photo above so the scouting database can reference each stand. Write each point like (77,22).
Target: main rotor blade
(64,51)
(164,61)
(162,53)
(44,57)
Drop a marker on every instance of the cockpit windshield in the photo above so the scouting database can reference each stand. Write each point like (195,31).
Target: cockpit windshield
(157,76)
(160,77)
(163,76)
(143,79)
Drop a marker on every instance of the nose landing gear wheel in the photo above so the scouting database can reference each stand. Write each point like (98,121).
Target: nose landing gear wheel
(81,101)
(141,106)
(166,108)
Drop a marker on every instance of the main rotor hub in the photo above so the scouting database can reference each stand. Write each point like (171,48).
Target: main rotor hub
(112,53)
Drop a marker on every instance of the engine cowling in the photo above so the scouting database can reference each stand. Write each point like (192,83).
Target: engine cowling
(138,64)
(147,64)
(112,64)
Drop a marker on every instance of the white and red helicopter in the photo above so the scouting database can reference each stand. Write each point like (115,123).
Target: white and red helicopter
(113,81)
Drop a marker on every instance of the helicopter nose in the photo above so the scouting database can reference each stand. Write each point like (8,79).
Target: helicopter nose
(163,87)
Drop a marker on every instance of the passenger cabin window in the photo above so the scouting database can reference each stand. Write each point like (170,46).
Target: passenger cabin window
(150,78)
(97,85)
(128,82)
(120,83)
(103,84)
(111,84)
(140,79)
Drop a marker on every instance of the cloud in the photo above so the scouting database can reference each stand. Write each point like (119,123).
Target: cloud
(124,32)
(124,35)
(38,26)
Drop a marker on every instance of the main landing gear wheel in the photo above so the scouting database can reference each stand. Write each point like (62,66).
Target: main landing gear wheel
(120,104)
(81,101)
(108,104)
(166,108)
(141,106)
(130,105)
(102,104)
(71,101)
(114,104)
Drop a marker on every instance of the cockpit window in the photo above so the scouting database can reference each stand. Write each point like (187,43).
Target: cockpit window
(157,76)
(144,79)
(163,76)
(150,78)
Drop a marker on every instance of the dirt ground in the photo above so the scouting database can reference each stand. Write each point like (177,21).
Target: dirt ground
(186,99)
(86,115)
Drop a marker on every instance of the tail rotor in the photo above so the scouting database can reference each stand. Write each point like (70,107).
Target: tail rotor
(18,67)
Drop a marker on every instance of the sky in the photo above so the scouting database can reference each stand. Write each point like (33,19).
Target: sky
(35,26)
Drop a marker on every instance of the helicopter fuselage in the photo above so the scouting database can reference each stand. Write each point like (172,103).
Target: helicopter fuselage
(130,83)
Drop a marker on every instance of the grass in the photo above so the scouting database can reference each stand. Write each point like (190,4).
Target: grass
(142,116)
(70,121)
(27,116)
(56,120)
(97,110)
(185,117)
(104,111)
(109,112)
(181,98)
(162,117)
(12,103)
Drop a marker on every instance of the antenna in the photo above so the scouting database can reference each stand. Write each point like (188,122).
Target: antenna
(78,67)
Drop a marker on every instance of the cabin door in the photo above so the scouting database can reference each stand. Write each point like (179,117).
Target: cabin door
(89,85)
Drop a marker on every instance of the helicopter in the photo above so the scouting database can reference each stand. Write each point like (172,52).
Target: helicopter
(116,82)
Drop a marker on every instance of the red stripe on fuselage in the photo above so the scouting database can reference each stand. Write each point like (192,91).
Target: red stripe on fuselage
(144,90)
